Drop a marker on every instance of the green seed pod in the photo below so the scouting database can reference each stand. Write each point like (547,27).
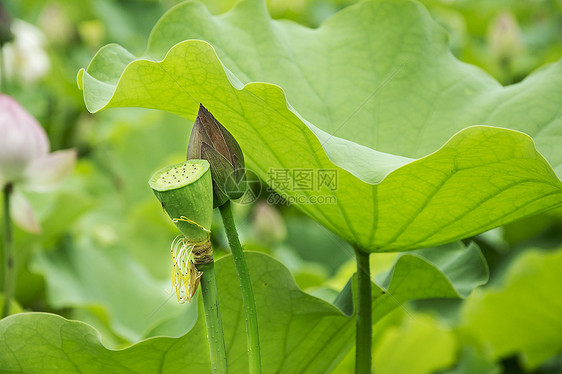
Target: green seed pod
(210,141)
(186,193)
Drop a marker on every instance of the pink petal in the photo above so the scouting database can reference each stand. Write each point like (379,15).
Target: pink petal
(22,139)
(46,172)
(22,213)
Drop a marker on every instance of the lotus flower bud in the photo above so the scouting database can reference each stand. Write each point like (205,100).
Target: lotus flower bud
(504,37)
(268,224)
(22,140)
(210,141)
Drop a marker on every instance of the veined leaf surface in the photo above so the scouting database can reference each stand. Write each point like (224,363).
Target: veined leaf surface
(426,149)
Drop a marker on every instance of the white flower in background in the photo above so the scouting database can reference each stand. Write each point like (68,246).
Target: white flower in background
(56,25)
(25,161)
(25,56)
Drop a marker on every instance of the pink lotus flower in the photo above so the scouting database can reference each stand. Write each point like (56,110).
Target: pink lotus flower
(25,161)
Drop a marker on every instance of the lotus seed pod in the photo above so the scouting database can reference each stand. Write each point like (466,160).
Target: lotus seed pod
(185,191)
(210,141)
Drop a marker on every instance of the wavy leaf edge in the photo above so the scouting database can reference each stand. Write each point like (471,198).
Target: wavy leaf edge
(397,161)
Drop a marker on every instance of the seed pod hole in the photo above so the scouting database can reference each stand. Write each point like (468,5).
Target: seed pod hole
(180,175)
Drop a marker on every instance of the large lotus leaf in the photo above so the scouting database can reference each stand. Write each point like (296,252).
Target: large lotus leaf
(523,315)
(482,177)
(415,276)
(110,280)
(374,95)
(298,332)
(398,349)
(472,361)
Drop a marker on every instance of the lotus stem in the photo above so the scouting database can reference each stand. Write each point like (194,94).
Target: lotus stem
(3,79)
(246,287)
(8,253)
(215,333)
(364,324)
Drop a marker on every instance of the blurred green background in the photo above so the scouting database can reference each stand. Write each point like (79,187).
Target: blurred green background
(103,254)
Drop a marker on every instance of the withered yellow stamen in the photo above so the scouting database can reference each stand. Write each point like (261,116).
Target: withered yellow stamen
(185,219)
(185,276)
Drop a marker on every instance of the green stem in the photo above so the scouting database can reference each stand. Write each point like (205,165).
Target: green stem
(246,287)
(364,324)
(8,253)
(3,82)
(215,333)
